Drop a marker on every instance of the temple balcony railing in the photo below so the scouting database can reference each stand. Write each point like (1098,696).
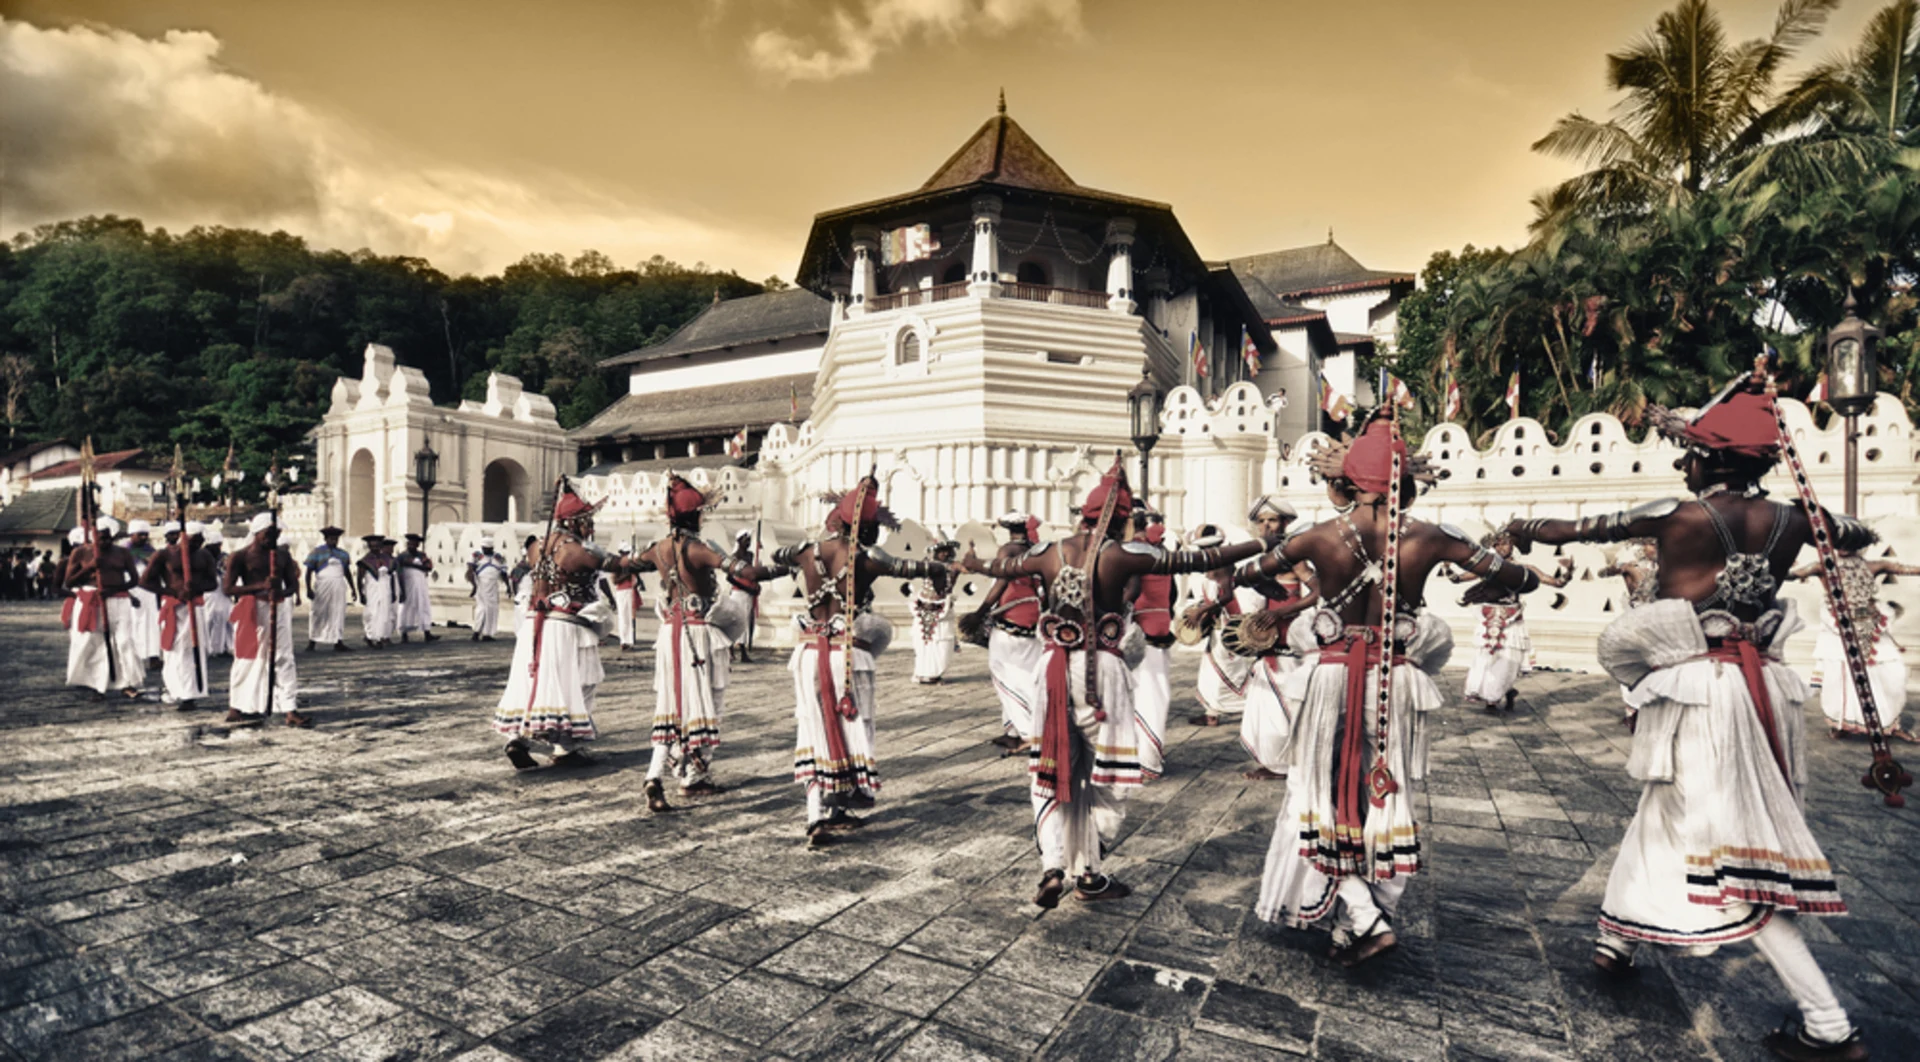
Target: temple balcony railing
(918,297)
(1093,300)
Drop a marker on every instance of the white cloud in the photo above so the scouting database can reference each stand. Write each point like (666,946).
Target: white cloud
(98,120)
(850,40)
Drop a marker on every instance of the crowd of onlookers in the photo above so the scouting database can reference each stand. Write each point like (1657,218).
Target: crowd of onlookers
(29,575)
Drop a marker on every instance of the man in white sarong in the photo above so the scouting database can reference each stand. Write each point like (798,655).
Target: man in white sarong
(329,588)
(1152,682)
(1084,756)
(1266,725)
(1009,612)
(1502,648)
(181,575)
(416,593)
(1886,662)
(264,582)
(1222,685)
(101,654)
(487,574)
(932,608)
(379,592)
(217,614)
(1346,841)
(700,615)
(556,653)
(626,601)
(146,606)
(832,664)
(1719,850)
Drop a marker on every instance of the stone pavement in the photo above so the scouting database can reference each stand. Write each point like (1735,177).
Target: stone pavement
(384,887)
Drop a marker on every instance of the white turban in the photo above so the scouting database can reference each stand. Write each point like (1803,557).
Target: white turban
(109,525)
(1267,503)
(626,547)
(259,523)
(195,527)
(486,541)
(171,527)
(139,527)
(1015,519)
(77,537)
(214,537)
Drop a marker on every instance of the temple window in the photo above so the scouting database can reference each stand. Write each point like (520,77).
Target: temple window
(1032,273)
(908,350)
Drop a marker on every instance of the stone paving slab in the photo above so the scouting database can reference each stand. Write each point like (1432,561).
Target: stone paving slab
(384,887)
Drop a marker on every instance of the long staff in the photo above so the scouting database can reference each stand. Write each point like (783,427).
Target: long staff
(89,488)
(273,583)
(186,566)
(1380,780)
(544,572)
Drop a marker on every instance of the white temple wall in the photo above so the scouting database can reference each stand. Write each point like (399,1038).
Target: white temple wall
(786,357)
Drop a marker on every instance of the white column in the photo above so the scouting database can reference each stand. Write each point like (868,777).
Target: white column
(866,243)
(984,281)
(1120,265)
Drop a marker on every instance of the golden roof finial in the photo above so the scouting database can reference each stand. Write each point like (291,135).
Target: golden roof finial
(1003,101)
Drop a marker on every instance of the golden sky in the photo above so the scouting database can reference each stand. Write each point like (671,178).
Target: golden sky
(475,131)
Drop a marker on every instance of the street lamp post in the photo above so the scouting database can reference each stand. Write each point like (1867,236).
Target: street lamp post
(426,472)
(1143,410)
(1853,377)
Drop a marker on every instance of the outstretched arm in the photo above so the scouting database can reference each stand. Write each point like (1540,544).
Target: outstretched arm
(1487,564)
(1641,521)
(876,563)
(1560,576)
(744,574)
(1887,567)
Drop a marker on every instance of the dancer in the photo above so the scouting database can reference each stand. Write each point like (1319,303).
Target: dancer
(699,617)
(626,601)
(412,567)
(101,652)
(486,575)
(379,592)
(180,580)
(1886,662)
(1266,724)
(217,619)
(1634,565)
(832,666)
(1719,850)
(265,585)
(932,607)
(1008,613)
(1345,842)
(746,551)
(1222,687)
(329,589)
(1502,647)
(1152,685)
(1085,746)
(556,655)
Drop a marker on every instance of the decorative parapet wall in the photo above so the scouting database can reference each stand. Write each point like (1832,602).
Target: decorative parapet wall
(1599,468)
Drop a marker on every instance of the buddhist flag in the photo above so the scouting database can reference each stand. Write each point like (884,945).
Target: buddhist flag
(1453,395)
(1819,393)
(793,403)
(737,446)
(1398,392)
(1513,396)
(1332,402)
(1250,353)
(1199,354)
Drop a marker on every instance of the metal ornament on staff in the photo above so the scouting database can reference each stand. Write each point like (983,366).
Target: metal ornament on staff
(1884,775)
(1380,781)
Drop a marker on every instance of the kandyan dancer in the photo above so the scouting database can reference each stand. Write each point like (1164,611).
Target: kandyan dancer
(1719,850)
(1886,662)
(1152,682)
(932,608)
(1501,644)
(1266,725)
(1345,842)
(1008,614)
(1084,755)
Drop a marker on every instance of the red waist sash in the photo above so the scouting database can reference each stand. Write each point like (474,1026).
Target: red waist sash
(93,609)
(1055,764)
(1737,650)
(1359,651)
(246,627)
(170,620)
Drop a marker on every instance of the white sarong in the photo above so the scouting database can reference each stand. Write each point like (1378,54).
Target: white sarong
(1313,857)
(183,665)
(247,689)
(1152,700)
(932,637)
(1719,841)
(416,612)
(327,622)
(377,616)
(833,756)
(1886,672)
(87,651)
(218,627)
(626,600)
(1102,759)
(1266,728)
(1501,646)
(556,702)
(488,578)
(146,621)
(1224,674)
(1011,660)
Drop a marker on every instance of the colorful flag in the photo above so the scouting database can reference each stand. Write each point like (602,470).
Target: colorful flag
(911,243)
(1332,402)
(1453,395)
(1513,396)
(1250,353)
(737,446)
(1199,354)
(1398,391)
(793,404)
(1819,393)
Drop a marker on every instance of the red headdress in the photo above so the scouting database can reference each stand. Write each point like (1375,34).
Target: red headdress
(1033,529)
(571,506)
(1741,424)
(870,513)
(1112,486)
(683,498)
(1155,533)
(1369,461)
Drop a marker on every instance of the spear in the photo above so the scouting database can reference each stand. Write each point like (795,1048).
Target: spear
(273,583)
(89,487)
(179,476)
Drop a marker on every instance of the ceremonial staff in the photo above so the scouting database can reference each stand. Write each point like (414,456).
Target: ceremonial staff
(90,512)
(179,486)
(545,572)
(273,583)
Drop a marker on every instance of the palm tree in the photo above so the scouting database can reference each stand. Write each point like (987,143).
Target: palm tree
(1696,105)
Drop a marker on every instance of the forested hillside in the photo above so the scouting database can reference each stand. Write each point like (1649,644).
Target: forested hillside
(219,336)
